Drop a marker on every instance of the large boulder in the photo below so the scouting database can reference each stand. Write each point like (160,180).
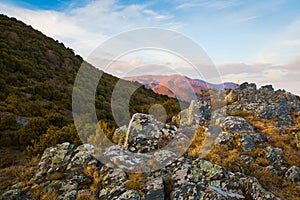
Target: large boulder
(145,134)
(54,159)
(196,114)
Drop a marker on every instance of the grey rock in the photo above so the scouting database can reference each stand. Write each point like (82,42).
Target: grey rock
(155,190)
(113,181)
(246,159)
(68,190)
(83,154)
(236,124)
(275,157)
(224,138)
(53,159)
(146,133)
(293,175)
(219,194)
(12,195)
(186,190)
(258,192)
(130,195)
(265,102)
(196,114)
(137,162)
(119,135)
(247,142)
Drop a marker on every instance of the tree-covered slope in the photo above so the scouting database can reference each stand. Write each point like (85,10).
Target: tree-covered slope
(36,82)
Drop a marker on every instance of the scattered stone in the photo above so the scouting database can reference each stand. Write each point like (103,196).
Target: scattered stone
(224,138)
(12,195)
(130,195)
(229,195)
(246,159)
(155,190)
(186,190)
(275,157)
(236,124)
(258,192)
(293,175)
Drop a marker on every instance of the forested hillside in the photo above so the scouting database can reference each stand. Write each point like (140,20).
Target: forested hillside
(36,82)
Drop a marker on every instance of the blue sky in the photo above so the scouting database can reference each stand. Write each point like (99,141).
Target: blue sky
(250,40)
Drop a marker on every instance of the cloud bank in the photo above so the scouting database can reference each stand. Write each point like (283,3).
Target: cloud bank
(263,36)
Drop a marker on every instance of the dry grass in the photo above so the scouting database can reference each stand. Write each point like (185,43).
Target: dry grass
(225,157)
(135,182)
(290,192)
(297,120)
(262,125)
(257,152)
(271,130)
(93,173)
(274,184)
(57,176)
(268,179)
(287,142)
(240,113)
(85,196)
(285,139)
(50,195)
(262,162)
(15,167)
(229,158)
(36,192)
(197,142)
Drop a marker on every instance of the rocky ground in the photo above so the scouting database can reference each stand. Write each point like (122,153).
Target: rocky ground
(248,149)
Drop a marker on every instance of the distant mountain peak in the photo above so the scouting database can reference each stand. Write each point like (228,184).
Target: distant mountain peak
(178,85)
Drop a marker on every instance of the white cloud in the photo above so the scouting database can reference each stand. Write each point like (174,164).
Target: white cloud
(84,28)
(156,15)
(284,76)
(218,5)
(247,18)
(290,43)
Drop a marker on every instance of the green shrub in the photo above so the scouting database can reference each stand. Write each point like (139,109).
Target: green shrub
(8,122)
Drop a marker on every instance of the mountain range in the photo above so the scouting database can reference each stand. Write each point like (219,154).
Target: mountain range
(178,86)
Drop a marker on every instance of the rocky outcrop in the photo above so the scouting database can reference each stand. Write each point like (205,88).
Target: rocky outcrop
(147,161)
(146,134)
(197,114)
(264,102)
(74,171)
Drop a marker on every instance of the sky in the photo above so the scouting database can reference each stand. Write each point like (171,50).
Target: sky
(254,41)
